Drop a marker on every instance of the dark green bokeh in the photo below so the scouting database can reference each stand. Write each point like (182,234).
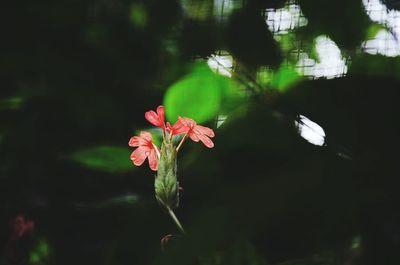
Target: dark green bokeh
(77,78)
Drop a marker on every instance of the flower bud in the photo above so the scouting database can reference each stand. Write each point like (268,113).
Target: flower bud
(166,183)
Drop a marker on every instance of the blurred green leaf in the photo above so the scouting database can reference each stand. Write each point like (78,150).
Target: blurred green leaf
(286,41)
(104,158)
(264,76)
(11,103)
(250,41)
(285,78)
(117,201)
(138,15)
(40,252)
(373,30)
(198,10)
(43,248)
(345,22)
(198,95)
(34,258)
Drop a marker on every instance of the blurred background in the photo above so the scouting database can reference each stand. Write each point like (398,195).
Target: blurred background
(303,98)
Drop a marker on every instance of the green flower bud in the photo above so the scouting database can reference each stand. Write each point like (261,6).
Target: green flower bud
(166,182)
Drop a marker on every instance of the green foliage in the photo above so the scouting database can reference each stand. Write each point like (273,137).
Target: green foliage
(11,103)
(285,78)
(104,158)
(198,10)
(250,41)
(125,200)
(345,22)
(40,253)
(373,30)
(263,195)
(286,41)
(264,76)
(138,15)
(198,95)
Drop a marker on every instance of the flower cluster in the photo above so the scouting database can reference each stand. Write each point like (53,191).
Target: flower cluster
(184,126)
(22,226)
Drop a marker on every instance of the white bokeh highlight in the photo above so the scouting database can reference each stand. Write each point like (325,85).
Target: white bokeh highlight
(221,64)
(331,63)
(310,131)
(385,42)
(280,21)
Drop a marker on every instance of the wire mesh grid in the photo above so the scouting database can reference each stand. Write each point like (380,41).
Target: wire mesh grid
(329,60)
(386,41)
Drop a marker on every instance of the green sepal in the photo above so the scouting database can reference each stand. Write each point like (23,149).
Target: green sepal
(166,182)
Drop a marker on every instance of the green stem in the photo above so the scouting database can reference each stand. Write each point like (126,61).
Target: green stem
(178,224)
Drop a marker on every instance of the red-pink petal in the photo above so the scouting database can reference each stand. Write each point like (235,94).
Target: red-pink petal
(206,141)
(143,139)
(187,122)
(161,114)
(194,136)
(139,155)
(136,141)
(146,135)
(156,119)
(204,130)
(152,117)
(153,160)
(179,127)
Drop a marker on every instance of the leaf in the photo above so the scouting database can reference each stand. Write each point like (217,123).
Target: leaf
(138,15)
(104,158)
(12,103)
(40,252)
(250,41)
(198,95)
(124,200)
(345,22)
(285,78)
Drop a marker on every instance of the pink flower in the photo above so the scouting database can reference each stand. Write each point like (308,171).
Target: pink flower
(195,132)
(22,226)
(145,149)
(156,119)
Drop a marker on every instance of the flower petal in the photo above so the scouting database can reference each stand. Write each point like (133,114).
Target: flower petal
(135,141)
(147,136)
(161,114)
(143,139)
(153,160)
(204,130)
(187,122)
(179,127)
(158,118)
(152,117)
(206,141)
(139,155)
(194,136)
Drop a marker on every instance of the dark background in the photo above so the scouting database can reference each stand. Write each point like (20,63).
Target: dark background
(76,78)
